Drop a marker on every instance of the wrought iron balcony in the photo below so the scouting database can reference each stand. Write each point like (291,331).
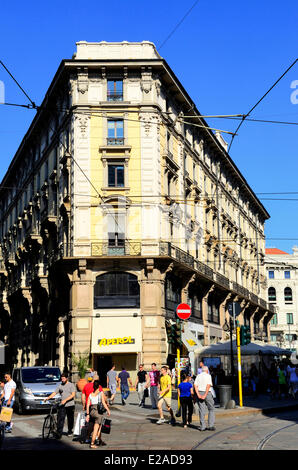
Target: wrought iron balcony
(115,140)
(166,248)
(104,248)
(115,96)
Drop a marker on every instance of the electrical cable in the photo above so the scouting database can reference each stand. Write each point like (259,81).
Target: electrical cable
(15,80)
(177,26)
(259,101)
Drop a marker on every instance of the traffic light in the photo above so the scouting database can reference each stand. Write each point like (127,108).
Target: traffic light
(170,333)
(178,332)
(245,336)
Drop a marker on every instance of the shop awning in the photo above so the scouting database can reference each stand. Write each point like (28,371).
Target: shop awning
(248,350)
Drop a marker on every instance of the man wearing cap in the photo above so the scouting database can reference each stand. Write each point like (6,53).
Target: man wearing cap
(88,389)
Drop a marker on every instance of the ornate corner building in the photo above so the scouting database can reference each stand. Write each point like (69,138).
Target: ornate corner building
(119,204)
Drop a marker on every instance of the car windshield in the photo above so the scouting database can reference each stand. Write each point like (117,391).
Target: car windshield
(41,375)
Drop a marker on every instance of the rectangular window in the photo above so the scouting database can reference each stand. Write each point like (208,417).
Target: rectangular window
(290,338)
(287,275)
(116,176)
(115,90)
(289,318)
(115,132)
(116,229)
(274,319)
(271,274)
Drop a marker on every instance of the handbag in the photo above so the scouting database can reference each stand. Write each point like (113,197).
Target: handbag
(106,425)
(100,408)
(146,393)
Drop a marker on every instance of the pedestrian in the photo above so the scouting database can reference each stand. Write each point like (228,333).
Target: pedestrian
(142,385)
(273,380)
(282,381)
(95,399)
(123,379)
(154,376)
(8,394)
(88,388)
(67,392)
(112,379)
(185,393)
(293,380)
(201,365)
(165,396)
(2,383)
(203,384)
(254,379)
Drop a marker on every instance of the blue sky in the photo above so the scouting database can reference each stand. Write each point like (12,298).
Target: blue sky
(226,54)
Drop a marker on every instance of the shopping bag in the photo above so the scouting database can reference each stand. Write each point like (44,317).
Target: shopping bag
(6,414)
(80,423)
(106,426)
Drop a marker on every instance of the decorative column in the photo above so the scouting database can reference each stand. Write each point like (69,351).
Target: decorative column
(153,319)
(81,311)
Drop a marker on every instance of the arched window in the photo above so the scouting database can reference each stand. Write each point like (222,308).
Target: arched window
(288,294)
(116,290)
(271,294)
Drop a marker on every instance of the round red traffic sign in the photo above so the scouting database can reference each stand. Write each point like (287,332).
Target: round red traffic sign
(183,311)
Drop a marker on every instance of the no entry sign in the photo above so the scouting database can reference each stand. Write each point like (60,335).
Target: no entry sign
(183,311)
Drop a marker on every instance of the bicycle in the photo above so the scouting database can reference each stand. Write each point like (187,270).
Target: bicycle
(50,424)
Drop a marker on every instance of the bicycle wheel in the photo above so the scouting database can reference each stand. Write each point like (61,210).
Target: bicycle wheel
(47,427)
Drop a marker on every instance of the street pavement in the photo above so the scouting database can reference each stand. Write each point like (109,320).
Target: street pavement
(135,428)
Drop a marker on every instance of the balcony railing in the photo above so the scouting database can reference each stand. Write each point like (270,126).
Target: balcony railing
(115,96)
(224,281)
(104,248)
(115,140)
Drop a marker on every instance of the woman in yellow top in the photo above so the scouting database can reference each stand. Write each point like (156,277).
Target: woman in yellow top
(165,395)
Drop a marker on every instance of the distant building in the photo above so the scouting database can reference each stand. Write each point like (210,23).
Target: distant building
(282,278)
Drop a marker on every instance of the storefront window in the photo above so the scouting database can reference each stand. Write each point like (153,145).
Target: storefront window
(116,290)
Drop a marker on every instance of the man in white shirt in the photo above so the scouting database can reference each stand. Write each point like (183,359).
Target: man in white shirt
(8,394)
(203,385)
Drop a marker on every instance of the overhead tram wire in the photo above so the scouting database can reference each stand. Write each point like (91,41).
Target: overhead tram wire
(177,26)
(101,114)
(260,100)
(19,86)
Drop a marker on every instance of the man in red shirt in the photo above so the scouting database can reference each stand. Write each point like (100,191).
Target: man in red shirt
(88,389)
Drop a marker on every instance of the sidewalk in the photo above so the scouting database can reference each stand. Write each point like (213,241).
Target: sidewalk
(262,404)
